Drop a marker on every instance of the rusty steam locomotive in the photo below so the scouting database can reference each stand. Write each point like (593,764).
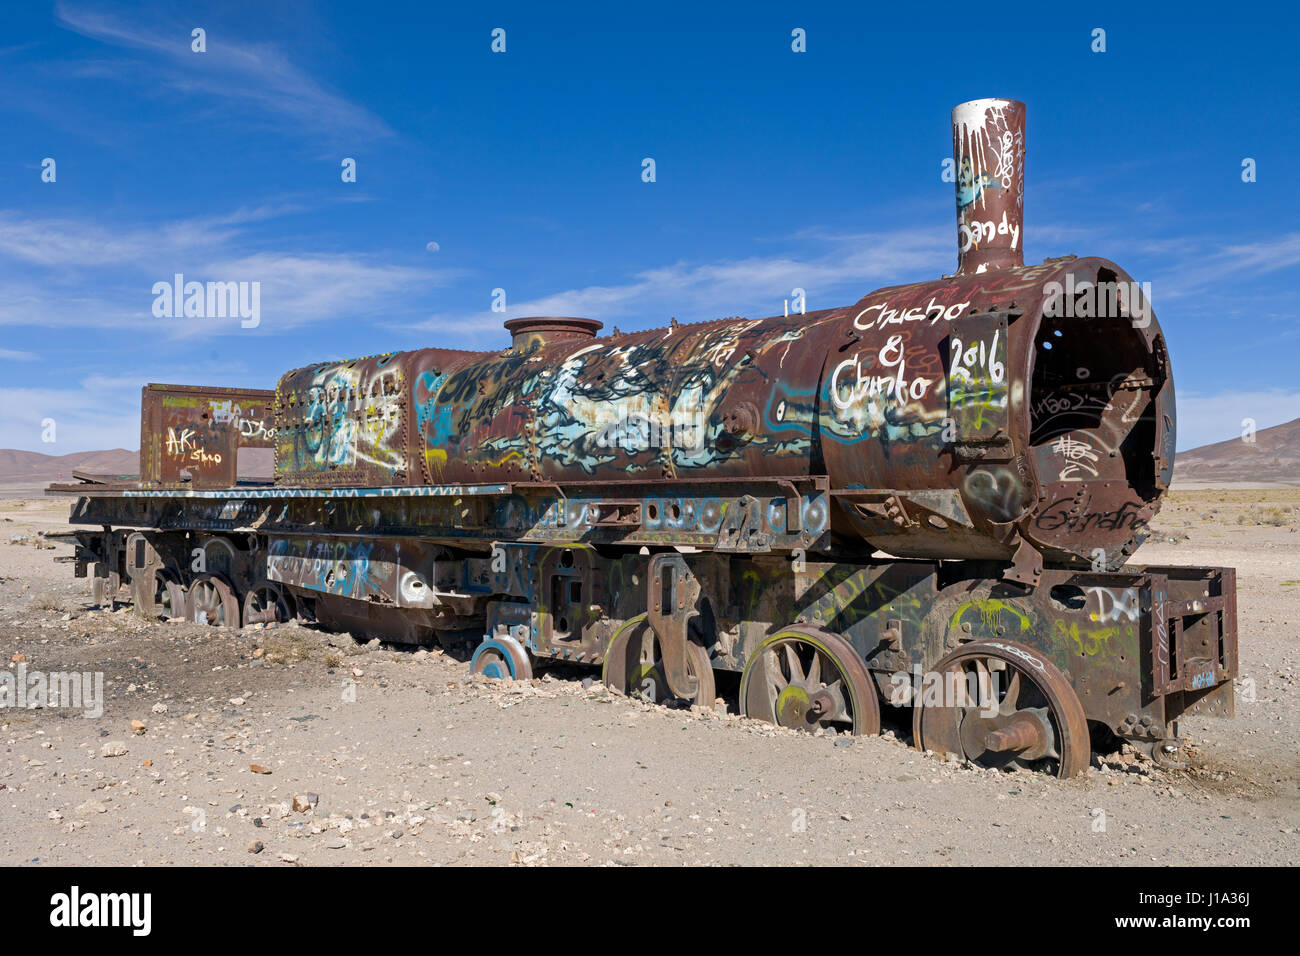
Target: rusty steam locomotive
(935,489)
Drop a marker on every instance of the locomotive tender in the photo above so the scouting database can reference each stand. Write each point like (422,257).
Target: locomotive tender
(927,498)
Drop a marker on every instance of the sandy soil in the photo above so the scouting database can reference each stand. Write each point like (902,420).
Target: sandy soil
(401,757)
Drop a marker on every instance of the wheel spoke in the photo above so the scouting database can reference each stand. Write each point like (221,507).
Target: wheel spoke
(773,668)
(815,671)
(983,681)
(792,659)
(766,692)
(959,682)
(1012,697)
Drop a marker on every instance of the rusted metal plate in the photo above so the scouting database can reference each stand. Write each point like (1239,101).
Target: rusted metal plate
(978,387)
(344,423)
(1195,620)
(191,435)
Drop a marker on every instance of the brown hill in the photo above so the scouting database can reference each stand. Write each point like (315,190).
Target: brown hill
(1274,456)
(33,466)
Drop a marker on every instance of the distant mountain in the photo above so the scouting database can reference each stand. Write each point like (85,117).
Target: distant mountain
(1274,456)
(30,467)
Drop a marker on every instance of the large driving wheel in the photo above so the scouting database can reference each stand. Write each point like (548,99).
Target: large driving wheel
(634,665)
(807,680)
(212,601)
(1001,704)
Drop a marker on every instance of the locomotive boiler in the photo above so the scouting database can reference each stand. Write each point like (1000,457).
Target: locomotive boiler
(928,498)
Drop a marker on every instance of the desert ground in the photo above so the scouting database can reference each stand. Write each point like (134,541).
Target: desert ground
(289,746)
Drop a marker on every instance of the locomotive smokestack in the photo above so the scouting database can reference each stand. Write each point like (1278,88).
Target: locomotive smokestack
(988,147)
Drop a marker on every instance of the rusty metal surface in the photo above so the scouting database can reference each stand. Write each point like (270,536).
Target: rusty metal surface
(960,389)
(988,148)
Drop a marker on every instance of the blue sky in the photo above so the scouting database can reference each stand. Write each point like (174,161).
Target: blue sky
(774,169)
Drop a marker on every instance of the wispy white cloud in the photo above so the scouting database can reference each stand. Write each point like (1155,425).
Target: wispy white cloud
(56,243)
(79,273)
(17,48)
(257,74)
(298,289)
(1207,265)
(72,244)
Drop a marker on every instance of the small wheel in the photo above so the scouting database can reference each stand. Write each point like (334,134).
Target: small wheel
(807,679)
(1004,705)
(633,665)
(501,657)
(212,601)
(168,596)
(267,603)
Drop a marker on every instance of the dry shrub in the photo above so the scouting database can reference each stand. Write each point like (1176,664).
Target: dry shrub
(287,646)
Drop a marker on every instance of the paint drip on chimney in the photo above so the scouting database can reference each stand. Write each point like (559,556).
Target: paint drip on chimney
(988,146)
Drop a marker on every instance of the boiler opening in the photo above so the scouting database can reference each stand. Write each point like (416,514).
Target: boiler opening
(1097,394)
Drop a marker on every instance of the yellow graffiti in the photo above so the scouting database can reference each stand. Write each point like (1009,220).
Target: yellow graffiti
(436,459)
(752,589)
(991,612)
(1095,641)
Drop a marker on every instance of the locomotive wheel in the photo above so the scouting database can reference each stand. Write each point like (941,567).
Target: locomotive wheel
(267,603)
(633,665)
(212,601)
(807,680)
(501,657)
(168,596)
(1037,724)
